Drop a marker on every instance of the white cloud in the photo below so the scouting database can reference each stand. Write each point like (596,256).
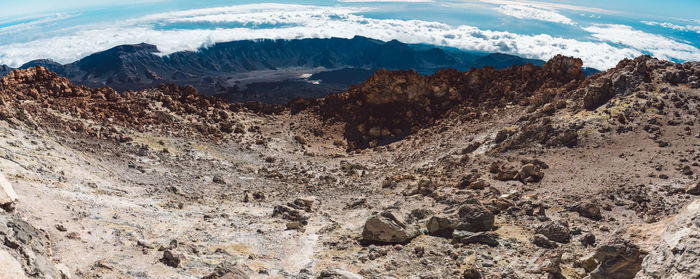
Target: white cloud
(282,21)
(527,12)
(659,46)
(547,5)
(686,28)
(379,1)
(34,22)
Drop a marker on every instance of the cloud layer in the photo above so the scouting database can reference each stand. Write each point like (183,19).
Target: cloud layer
(684,28)
(283,21)
(526,12)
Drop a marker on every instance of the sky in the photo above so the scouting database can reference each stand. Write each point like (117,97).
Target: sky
(599,32)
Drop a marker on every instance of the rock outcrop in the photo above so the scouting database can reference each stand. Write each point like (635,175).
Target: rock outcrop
(28,245)
(392,105)
(677,252)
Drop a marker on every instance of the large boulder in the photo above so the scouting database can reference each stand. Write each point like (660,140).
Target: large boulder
(389,227)
(475,218)
(471,217)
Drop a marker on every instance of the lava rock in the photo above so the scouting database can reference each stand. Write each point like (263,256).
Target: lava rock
(618,259)
(530,173)
(587,209)
(543,241)
(389,227)
(556,231)
(475,218)
(171,258)
(467,237)
(471,273)
(441,225)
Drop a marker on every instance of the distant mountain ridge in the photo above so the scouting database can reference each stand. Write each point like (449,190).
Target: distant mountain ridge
(266,70)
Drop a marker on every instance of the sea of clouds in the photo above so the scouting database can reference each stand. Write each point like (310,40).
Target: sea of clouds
(606,45)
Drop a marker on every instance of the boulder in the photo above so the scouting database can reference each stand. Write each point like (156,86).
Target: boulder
(587,209)
(617,259)
(290,213)
(171,258)
(474,218)
(556,231)
(389,227)
(441,225)
(7,194)
(530,173)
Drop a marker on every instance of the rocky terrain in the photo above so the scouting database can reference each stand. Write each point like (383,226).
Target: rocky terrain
(525,172)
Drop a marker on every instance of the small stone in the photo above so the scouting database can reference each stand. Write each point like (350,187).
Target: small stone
(471,273)
(588,263)
(103,264)
(588,240)
(543,241)
(218,179)
(73,235)
(588,209)
(171,258)
(144,244)
(295,225)
(61,227)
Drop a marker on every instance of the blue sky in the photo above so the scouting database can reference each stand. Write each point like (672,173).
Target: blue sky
(599,32)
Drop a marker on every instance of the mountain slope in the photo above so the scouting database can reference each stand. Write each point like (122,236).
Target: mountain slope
(526,172)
